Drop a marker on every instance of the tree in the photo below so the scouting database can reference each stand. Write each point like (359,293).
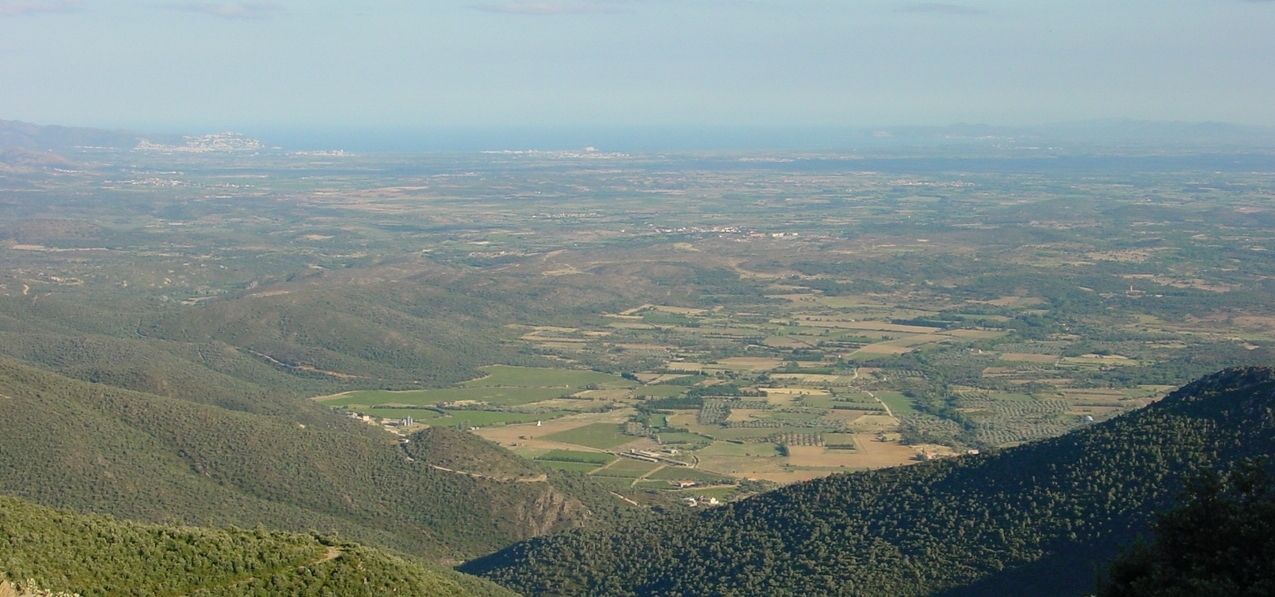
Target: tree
(1220,542)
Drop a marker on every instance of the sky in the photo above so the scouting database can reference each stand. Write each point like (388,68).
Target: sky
(202,66)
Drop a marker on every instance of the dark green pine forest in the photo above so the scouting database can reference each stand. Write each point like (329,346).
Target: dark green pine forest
(1039,519)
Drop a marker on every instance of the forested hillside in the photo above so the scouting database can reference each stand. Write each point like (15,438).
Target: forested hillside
(96,448)
(1033,520)
(57,550)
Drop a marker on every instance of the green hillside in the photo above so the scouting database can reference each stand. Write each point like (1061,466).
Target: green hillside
(96,448)
(1032,520)
(57,550)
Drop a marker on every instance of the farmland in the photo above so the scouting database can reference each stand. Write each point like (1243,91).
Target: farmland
(760,316)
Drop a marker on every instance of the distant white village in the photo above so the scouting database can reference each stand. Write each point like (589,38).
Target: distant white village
(228,141)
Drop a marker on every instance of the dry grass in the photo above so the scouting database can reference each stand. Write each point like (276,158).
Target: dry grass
(846,415)
(785,342)
(822,457)
(883,348)
(1029,358)
(645,346)
(878,421)
(679,310)
(528,435)
(745,414)
(751,363)
(977,334)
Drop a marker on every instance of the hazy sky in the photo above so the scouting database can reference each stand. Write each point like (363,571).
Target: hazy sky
(160,65)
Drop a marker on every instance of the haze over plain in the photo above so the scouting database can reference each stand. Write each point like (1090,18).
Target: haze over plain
(327,67)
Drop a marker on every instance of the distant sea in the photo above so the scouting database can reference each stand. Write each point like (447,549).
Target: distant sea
(646,139)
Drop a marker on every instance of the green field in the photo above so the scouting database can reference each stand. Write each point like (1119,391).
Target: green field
(595,458)
(581,467)
(660,391)
(506,376)
(683,438)
(900,405)
(755,450)
(653,485)
(627,468)
(614,483)
(602,436)
(678,473)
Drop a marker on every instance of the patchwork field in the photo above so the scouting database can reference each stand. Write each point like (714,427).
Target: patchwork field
(812,409)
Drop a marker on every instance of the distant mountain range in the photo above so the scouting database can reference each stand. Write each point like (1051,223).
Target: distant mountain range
(24,135)
(1123,134)
(34,137)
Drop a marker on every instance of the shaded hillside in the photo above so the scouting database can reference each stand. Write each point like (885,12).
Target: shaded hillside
(1220,541)
(58,550)
(1033,520)
(96,448)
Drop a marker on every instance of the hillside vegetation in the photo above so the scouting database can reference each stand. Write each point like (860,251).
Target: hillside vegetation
(57,550)
(1220,541)
(1036,519)
(96,448)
